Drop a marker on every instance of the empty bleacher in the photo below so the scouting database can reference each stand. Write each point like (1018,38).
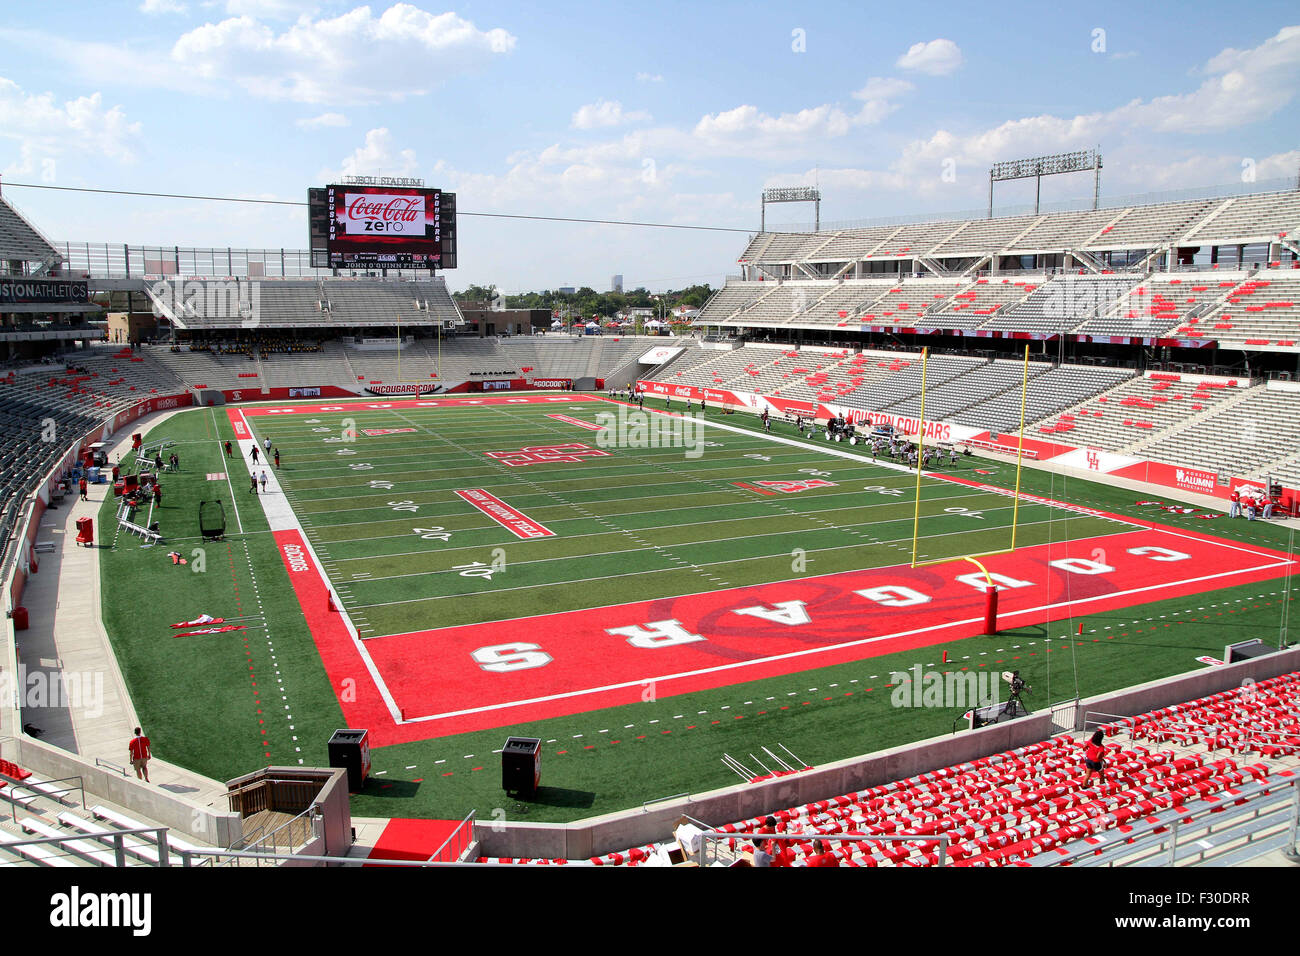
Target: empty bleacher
(1137,410)
(1243,438)
(1159,305)
(21,241)
(1037,804)
(972,387)
(1260,312)
(1052,392)
(1062,304)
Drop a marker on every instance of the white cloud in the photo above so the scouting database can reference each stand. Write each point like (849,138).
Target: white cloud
(936,58)
(162,6)
(1244,86)
(45,128)
(325,119)
(755,129)
(268,9)
(1241,88)
(745,129)
(378,155)
(353,58)
(605,113)
(649,78)
(878,96)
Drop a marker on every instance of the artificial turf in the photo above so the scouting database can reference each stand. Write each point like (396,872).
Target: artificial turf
(223,704)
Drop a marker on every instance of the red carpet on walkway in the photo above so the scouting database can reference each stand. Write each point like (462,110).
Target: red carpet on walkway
(414,840)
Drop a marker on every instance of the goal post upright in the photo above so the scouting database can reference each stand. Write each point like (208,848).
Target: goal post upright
(1015,505)
(1020,451)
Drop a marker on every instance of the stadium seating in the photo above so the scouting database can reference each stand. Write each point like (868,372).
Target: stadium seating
(1061,304)
(20,240)
(1128,415)
(1011,807)
(1229,221)
(1051,393)
(1247,437)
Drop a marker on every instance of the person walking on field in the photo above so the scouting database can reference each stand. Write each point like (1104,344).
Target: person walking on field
(277,459)
(138,748)
(229,452)
(252,482)
(263,480)
(255,454)
(81,485)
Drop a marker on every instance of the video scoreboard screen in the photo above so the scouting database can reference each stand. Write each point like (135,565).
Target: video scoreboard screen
(382,224)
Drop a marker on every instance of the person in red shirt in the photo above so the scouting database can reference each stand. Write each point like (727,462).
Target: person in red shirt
(82,487)
(781,851)
(1093,758)
(138,748)
(822,855)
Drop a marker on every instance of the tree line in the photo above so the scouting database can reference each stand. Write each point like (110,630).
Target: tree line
(586,302)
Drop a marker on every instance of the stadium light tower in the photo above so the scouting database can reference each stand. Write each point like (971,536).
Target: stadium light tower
(1040,166)
(793,194)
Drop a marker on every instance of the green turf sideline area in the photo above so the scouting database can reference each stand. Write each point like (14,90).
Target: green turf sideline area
(224,704)
(221,704)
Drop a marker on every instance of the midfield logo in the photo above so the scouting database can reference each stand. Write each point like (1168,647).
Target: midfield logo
(790,487)
(546,454)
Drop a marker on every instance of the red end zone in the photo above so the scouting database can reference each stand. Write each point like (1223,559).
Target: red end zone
(454,680)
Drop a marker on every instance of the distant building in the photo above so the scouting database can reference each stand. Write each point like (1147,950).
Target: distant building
(567,290)
(616,284)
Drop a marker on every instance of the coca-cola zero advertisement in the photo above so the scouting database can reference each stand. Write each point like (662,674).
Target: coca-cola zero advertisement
(384,226)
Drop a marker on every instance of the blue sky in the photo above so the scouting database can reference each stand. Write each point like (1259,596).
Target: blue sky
(662,112)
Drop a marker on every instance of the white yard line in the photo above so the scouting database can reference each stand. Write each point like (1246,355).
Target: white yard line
(280,517)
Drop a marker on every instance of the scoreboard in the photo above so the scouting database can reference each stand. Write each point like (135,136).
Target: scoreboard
(379,223)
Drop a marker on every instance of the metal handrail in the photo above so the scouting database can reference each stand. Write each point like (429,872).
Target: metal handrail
(118,837)
(273,837)
(646,804)
(101,762)
(454,835)
(51,794)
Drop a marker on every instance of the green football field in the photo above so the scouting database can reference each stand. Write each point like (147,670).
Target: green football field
(643,522)
(638,524)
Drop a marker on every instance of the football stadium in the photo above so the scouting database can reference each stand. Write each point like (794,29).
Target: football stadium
(954,540)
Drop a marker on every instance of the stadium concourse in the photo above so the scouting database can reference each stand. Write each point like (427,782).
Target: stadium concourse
(1139,361)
